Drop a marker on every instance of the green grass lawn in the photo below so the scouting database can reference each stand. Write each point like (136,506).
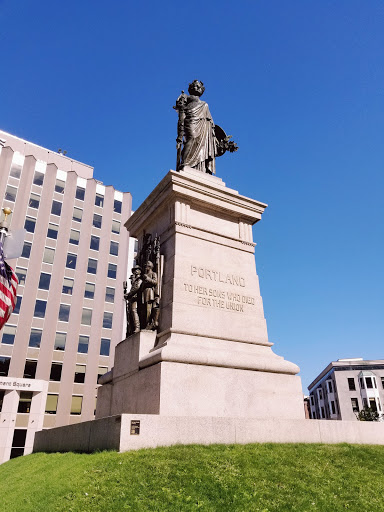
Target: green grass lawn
(265,477)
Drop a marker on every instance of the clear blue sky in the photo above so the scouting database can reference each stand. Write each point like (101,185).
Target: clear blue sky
(300,85)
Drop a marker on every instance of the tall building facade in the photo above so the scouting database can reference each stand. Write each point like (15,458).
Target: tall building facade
(70,311)
(345,387)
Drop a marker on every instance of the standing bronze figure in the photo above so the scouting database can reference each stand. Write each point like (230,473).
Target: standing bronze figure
(199,141)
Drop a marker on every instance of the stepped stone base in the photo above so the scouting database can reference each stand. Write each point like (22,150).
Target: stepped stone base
(134,431)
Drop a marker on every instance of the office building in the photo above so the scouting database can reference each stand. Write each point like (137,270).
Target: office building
(70,311)
(345,387)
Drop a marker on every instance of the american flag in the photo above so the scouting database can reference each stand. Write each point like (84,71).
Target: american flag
(8,287)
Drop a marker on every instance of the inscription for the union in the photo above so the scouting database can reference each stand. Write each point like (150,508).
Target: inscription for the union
(215,275)
(215,298)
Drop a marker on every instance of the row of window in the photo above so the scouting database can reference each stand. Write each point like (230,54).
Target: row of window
(24,407)
(56,371)
(53,229)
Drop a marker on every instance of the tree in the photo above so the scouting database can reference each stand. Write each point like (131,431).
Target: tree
(368,414)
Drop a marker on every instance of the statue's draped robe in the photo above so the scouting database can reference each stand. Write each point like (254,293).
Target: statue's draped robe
(199,150)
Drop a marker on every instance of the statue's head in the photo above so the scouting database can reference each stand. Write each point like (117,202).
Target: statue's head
(136,271)
(149,265)
(196,88)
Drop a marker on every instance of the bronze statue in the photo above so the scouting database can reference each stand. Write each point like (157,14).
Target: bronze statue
(148,294)
(201,139)
(132,299)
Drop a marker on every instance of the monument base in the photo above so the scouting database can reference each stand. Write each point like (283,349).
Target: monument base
(134,431)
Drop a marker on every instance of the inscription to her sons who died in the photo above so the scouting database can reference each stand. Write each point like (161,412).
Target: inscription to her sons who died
(213,294)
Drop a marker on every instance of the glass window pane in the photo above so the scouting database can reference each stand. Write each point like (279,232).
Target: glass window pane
(38,178)
(83,344)
(52,231)
(79,374)
(59,186)
(34,201)
(45,280)
(76,404)
(109,294)
(92,266)
(21,275)
(64,312)
(29,224)
(115,226)
(80,193)
(10,193)
(107,320)
(30,369)
(117,206)
(68,285)
(25,402)
(114,249)
(56,208)
(60,341)
(4,365)
(112,269)
(49,255)
(40,307)
(89,291)
(55,374)
(9,333)
(101,371)
(26,250)
(77,214)
(51,405)
(105,347)
(35,338)
(15,170)
(97,220)
(95,243)
(16,311)
(71,261)
(99,200)
(86,317)
(74,237)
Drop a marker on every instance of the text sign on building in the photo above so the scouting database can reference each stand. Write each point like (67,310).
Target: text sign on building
(21,384)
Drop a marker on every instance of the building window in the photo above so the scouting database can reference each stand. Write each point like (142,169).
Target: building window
(92,266)
(45,280)
(99,200)
(117,206)
(35,338)
(97,219)
(79,374)
(80,193)
(67,286)
(9,333)
(115,226)
(25,401)
(34,201)
(51,405)
(382,382)
(95,243)
(74,237)
(107,320)
(71,261)
(60,339)
(89,291)
(105,347)
(15,170)
(29,224)
(82,347)
(333,407)
(55,374)
(77,214)
(21,275)
(330,387)
(10,193)
(30,369)
(76,404)
(114,248)
(86,317)
(18,442)
(64,312)
(16,311)
(53,230)
(373,404)
(49,255)
(109,294)
(368,381)
(38,178)
(56,208)
(112,270)
(40,307)
(26,250)
(4,365)
(101,371)
(59,186)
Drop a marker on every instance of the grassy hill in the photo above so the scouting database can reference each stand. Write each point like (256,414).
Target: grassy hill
(265,478)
